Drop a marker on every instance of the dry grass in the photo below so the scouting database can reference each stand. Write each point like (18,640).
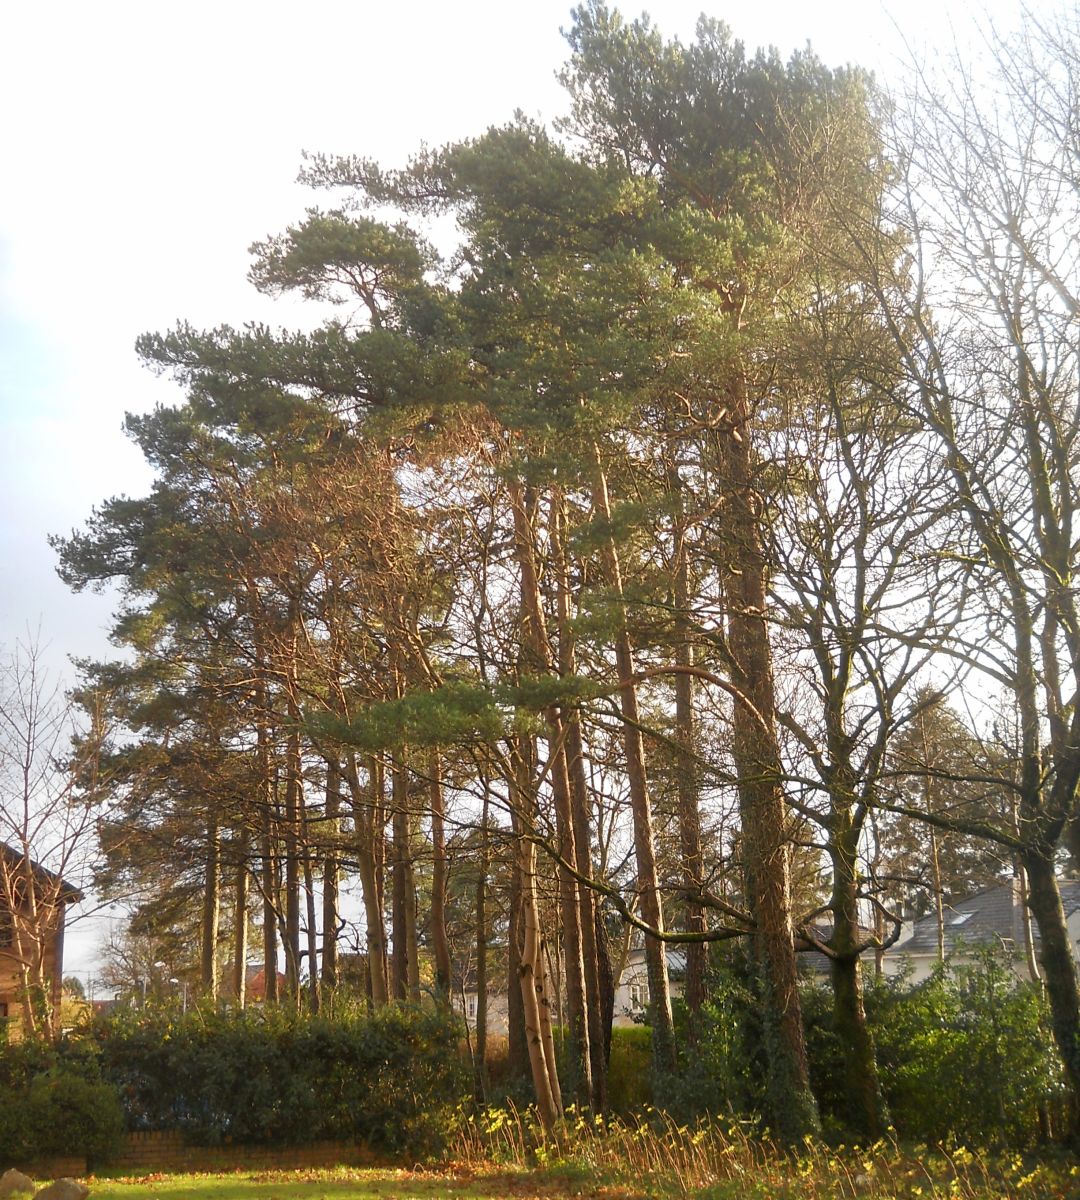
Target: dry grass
(729,1162)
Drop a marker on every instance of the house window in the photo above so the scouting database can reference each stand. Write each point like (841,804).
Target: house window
(6,929)
(470,1007)
(639,996)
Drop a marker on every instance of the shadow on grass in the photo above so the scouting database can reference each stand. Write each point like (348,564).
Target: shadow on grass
(342,1184)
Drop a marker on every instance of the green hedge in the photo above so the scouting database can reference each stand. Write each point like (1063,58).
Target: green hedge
(389,1079)
(59,1112)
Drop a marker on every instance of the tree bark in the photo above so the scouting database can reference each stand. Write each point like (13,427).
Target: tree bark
(1058,966)
(761,799)
(293,800)
(862,1094)
(581,822)
(211,919)
(402,881)
(663,1030)
(240,920)
(439,939)
(270,912)
(536,646)
(331,880)
(532,975)
(368,828)
(686,773)
(480,1063)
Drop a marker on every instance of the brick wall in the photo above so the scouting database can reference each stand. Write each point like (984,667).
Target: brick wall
(148,1153)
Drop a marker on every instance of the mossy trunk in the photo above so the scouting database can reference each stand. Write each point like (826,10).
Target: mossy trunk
(1058,969)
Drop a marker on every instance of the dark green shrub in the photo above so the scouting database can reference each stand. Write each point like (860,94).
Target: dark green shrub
(967,1055)
(721,1067)
(630,1069)
(60,1112)
(964,1056)
(269,1076)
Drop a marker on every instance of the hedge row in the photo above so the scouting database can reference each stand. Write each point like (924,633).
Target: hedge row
(391,1080)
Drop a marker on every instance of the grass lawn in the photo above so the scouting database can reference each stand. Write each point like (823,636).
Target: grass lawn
(373,1183)
(793,1181)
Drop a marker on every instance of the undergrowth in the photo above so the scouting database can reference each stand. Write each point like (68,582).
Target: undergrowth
(718,1161)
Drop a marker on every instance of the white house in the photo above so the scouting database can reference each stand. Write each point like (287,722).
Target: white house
(993,917)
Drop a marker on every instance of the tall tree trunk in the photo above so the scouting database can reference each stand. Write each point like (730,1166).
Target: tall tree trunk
(862,1093)
(606,980)
(240,919)
(686,773)
(581,823)
(368,827)
(293,800)
(935,857)
(331,880)
(439,939)
(1058,965)
(532,976)
(270,911)
(211,918)
(480,1062)
(537,658)
(761,800)
(314,995)
(518,1053)
(267,814)
(534,993)
(648,883)
(402,881)
(1025,922)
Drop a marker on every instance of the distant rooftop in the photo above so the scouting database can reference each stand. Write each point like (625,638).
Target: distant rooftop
(992,916)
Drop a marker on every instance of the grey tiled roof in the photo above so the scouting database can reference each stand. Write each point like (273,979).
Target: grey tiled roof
(991,916)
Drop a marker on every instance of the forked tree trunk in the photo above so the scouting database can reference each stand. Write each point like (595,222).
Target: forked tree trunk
(270,913)
(313,991)
(293,800)
(862,1093)
(480,1066)
(519,1058)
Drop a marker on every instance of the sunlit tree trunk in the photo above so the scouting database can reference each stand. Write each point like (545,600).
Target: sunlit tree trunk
(648,884)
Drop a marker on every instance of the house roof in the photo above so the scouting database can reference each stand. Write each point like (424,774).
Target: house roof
(66,893)
(991,916)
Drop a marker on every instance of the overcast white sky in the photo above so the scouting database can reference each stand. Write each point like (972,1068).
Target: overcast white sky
(145,145)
